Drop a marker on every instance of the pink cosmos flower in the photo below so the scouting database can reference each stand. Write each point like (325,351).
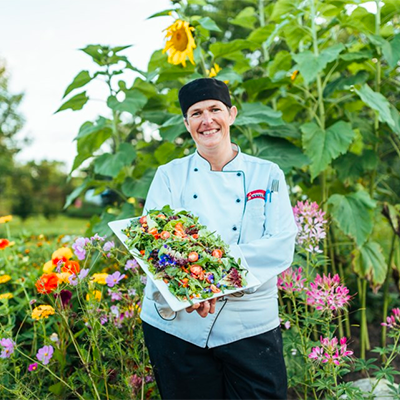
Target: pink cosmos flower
(8,347)
(45,354)
(291,280)
(329,352)
(79,247)
(132,265)
(311,223)
(326,293)
(108,246)
(114,279)
(33,367)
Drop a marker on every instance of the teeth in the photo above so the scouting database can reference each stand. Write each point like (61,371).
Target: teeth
(209,132)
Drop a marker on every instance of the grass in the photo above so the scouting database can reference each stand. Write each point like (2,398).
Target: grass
(36,225)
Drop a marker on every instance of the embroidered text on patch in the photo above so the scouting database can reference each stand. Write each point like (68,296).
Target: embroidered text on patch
(256,194)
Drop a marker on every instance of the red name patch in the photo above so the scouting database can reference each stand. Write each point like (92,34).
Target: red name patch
(256,194)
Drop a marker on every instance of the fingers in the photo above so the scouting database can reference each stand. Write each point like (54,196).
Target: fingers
(204,308)
(193,307)
(213,302)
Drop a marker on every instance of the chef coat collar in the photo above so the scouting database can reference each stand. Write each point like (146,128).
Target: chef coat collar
(233,165)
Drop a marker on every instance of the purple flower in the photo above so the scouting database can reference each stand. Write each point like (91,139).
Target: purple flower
(60,263)
(114,279)
(33,301)
(115,311)
(73,280)
(65,296)
(33,367)
(103,319)
(108,246)
(143,279)
(8,348)
(132,292)
(44,354)
(148,379)
(79,247)
(131,264)
(115,296)
(97,237)
(84,273)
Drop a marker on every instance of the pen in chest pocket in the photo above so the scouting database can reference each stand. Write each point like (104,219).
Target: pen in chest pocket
(272,208)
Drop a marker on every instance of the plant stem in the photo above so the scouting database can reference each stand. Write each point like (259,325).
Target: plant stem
(346,312)
(386,291)
(262,24)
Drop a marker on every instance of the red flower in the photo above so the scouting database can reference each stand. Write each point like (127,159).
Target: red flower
(4,243)
(72,267)
(47,283)
(56,260)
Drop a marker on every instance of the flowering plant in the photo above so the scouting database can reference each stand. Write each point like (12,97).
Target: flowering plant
(191,260)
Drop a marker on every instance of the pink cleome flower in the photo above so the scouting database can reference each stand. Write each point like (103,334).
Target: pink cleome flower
(311,223)
(291,280)
(326,293)
(393,321)
(329,352)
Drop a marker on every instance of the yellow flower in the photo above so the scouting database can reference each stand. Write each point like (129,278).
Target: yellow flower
(5,278)
(5,219)
(6,296)
(180,44)
(48,267)
(214,71)
(294,75)
(94,294)
(42,311)
(63,277)
(99,278)
(63,252)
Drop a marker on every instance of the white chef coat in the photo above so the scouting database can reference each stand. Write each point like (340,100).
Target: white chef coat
(261,231)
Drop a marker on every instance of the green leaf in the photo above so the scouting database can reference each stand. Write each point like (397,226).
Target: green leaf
(76,193)
(284,8)
(310,65)
(174,72)
(260,35)
(228,74)
(209,24)
(283,131)
(352,166)
(396,119)
(257,113)
(281,152)
(80,80)
(133,102)
(324,146)
(74,103)
(357,55)
(369,262)
(222,49)
(89,127)
(354,214)
(164,13)
(138,188)
(282,62)
(111,164)
(166,152)
(102,227)
(391,51)
(377,102)
(126,153)
(172,128)
(57,389)
(246,18)
(344,83)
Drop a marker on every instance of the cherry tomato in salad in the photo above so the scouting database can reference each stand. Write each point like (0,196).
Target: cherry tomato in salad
(165,235)
(153,231)
(195,236)
(143,219)
(162,216)
(196,269)
(193,256)
(214,289)
(217,253)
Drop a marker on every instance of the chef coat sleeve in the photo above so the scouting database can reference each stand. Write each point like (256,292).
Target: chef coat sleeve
(270,255)
(159,193)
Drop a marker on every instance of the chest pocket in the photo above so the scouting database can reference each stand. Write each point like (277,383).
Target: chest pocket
(253,221)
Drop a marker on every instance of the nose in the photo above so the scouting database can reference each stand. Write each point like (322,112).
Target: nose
(207,117)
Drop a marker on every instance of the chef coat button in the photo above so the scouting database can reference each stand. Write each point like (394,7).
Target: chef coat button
(234,228)
(195,196)
(196,169)
(237,200)
(239,174)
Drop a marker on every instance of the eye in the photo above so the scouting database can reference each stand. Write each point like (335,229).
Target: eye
(216,109)
(195,114)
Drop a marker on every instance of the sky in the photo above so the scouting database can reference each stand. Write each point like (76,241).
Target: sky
(40,42)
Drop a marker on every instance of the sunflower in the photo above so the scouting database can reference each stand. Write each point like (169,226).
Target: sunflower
(214,71)
(180,44)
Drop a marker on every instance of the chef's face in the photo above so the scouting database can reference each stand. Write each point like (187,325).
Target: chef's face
(208,122)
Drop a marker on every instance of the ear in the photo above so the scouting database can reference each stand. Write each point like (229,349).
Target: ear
(233,115)
(186,124)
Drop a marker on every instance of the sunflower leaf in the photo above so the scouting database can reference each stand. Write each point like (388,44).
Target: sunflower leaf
(74,103)
(209,24)
(80,80)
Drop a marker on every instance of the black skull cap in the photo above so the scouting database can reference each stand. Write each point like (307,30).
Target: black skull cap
(203,89)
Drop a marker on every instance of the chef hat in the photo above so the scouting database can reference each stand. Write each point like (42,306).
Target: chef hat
(203,89)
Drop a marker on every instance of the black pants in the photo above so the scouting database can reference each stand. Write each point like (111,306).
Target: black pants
(251,368)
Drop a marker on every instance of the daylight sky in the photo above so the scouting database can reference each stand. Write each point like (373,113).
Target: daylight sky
(40,41)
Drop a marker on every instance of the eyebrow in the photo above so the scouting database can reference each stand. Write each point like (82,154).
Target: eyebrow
(200,109)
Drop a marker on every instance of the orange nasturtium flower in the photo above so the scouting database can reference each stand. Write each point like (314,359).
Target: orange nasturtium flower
(72,267)
(5,219)
(4,243)
(42,311)
(5,278)
(47,283)
(180,43)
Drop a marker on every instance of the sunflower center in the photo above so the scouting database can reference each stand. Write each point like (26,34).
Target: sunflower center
(180,40)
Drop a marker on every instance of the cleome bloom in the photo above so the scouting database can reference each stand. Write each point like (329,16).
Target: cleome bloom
(329,351)
(291,280)
(47,283)
(180,43)
(393,321)
(311,223)
(42,311)
(5,219)
(326,293)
